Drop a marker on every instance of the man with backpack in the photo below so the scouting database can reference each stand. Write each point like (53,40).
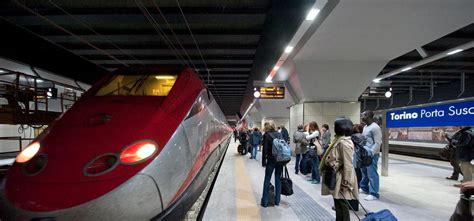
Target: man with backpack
(274,156)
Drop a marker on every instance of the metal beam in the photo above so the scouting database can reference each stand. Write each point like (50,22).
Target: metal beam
(422,52)
(427,60)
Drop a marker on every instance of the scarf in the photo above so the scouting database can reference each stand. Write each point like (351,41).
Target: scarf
(322,165)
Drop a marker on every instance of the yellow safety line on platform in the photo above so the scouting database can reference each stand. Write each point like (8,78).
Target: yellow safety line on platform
(247,208)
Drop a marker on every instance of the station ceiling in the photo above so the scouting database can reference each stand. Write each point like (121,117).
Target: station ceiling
(228,42)
(443,72)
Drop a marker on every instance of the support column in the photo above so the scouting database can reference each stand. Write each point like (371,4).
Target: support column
(385,145)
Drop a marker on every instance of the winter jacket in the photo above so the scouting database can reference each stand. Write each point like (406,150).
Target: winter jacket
(339,158)
(298,137)
(255,138)
(285,134)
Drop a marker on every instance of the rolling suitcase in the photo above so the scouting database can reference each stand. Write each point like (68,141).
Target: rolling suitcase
(382,215)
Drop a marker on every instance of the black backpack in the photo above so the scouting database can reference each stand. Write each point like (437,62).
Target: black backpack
(364,159)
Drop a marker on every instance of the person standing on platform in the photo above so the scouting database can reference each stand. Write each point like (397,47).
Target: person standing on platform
(299,139)
(270,164)
(370,177)
(285,134)
(326,137)
(463,152)
(255,138)
(359,142)
(236,135)
(261,140)
(243,139)
(338,158)
(313,137)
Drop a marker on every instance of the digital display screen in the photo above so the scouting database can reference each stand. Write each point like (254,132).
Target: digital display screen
(273,92)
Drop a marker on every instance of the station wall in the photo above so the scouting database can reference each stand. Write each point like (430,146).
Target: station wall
(322,113)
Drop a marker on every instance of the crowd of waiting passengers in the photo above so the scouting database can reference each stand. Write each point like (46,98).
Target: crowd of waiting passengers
(352,155)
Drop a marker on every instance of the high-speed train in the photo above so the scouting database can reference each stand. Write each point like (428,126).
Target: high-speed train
(139,145)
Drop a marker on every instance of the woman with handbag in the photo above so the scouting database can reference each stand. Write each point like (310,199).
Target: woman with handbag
(315,146)
(339,178)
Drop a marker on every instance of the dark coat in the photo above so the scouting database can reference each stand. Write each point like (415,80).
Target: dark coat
(359,141)
(285,134)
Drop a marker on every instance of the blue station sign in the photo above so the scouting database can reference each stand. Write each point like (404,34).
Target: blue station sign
(452,114)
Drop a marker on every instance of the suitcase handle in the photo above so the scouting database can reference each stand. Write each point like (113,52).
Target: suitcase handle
(347,202)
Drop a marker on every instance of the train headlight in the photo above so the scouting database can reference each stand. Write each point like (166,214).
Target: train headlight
(29,152)
(138,152)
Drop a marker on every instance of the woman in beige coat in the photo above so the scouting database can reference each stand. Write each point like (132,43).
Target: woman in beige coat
(339,157)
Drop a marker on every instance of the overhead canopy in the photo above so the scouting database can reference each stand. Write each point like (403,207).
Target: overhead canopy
(360,37)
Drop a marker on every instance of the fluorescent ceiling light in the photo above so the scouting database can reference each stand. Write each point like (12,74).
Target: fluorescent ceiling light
(376,80)
(288,49)
(164,77)
(39,81)
(269,79)
(2,71)
(406,69)
(312,14)
(454,52)
(388,94)
(276,68)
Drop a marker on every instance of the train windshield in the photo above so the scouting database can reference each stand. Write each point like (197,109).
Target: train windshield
(138,85)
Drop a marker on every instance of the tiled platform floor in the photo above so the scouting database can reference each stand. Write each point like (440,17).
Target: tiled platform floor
(416,189)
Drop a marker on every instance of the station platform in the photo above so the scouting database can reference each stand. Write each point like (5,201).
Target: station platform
(416,189)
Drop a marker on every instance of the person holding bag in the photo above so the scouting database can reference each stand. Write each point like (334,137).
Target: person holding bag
(315,147)
(339,177)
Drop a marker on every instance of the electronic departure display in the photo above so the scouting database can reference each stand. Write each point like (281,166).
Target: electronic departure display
(272,92)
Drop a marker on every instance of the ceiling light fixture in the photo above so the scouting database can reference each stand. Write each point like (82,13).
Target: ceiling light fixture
(164,77)
(269,79)
(376,80)
(2,71)
(388,94)
(256,94)
(406,69)
(288,49)
(276,68)
(454,51)
(312,14)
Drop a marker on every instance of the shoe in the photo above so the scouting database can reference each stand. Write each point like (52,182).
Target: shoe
(370,198)
(315,182)
(362,191)
(310,180)
(333,208)
(296,172)
(451,178)
(457,185)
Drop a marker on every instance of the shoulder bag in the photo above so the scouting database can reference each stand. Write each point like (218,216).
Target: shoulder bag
(329,178)
(286,183)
